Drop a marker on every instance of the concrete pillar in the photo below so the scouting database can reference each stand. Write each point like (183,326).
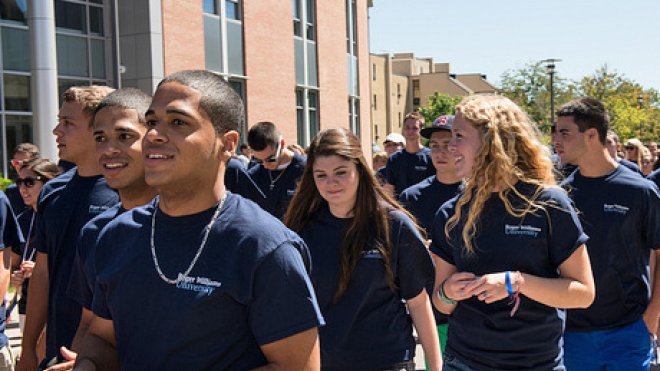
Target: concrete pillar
(41,22)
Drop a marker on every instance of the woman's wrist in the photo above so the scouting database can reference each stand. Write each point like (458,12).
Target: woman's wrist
(443,295)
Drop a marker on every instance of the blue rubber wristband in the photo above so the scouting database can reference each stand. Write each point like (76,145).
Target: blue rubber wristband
(507,280)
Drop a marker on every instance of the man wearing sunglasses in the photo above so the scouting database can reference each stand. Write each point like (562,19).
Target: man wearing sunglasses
(66,204)
(277,171)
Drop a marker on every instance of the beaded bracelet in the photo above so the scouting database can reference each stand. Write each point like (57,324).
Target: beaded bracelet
(443,296)
(514,296)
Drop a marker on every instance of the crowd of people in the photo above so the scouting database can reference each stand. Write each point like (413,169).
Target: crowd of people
(159,242)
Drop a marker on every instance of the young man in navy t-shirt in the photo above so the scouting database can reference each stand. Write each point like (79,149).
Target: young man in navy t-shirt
(199,278)
(412,164)
(621,213)
(118,128)
(278,169)
(65,205)
(425,198)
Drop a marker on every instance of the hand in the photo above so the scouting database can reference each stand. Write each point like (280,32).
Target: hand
(17,278)
(28,361)
(27,267)
(489,288)
(70,357)
(455,285)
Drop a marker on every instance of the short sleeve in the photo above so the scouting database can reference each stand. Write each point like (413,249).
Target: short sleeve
(11,232)
(414,269)
(565,229)
(40,230)
(391,175)
(283,300)
(440,245)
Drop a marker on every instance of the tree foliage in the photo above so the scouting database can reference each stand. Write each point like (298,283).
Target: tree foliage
(439,104)
(529,88)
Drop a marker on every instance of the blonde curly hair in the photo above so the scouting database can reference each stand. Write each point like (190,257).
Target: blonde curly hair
(510,152)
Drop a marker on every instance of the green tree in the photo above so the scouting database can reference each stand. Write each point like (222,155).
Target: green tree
(630,106)
(439,104)
(529,87)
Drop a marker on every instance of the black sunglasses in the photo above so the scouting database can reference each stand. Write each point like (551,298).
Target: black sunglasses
(29,182)
(271,158)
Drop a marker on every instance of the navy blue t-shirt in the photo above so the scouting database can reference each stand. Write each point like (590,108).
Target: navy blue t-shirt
(368,327)
(11,237)
(239,182)
(425,198)
(423,201)
(405,169)
(248,288)
(621,214)
(15,199)
(83,272)
(276,187)
(485,336)
(66,204)
(631,165)
(655,177)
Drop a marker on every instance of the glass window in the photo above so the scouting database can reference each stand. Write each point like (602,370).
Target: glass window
(312,76)
(72,56)
(311,12)
(212,43)
(17,93)
(373,72)
(70,16)
(209,7)
(15,49)
(233,9)
(96,1)
(98,58)
(14,10)
(235,47)
(300,66)
(96,20)
(19,130)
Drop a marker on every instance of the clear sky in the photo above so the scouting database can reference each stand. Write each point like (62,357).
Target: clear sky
(491,36)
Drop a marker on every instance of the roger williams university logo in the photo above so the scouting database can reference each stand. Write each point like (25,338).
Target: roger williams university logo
(615,208)
(521,230)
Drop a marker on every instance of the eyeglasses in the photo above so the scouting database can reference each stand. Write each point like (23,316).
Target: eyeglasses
(630,148)
(16,163)
(29,182)
(272,158)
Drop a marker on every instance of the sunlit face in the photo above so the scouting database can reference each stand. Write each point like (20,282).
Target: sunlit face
(181,148)
(465,145)
(631,152)
(73,132)
(647,165)
(443,160)
(29,185)
(411,129)
(337,180)
(118,135)
(269,157)
(391,147)
(570,144)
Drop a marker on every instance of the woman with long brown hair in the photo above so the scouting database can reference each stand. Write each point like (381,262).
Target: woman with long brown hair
(368,257)
(509,250)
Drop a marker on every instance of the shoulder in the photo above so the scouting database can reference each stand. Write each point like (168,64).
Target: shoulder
(424,151)
(299,162)
(235,164)
(101,220)
(56,184)
(655,177)
(630,165)
(416,189)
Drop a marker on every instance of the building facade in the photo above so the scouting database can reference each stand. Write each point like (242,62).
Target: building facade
(303,65)
(402,83)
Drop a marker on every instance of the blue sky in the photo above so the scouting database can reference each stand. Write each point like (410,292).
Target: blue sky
(491,36)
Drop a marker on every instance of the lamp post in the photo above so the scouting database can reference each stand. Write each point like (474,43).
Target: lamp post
(640,105)
(550,68)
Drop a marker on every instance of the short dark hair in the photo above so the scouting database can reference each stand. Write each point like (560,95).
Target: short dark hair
(262,135)
(28,148)
(587,113)
(219,100)
(243,146)
(127,98)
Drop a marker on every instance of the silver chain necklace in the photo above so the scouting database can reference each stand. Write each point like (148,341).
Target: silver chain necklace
(199,250)
(270,175)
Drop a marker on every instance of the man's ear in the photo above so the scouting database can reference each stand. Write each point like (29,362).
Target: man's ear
(229,144)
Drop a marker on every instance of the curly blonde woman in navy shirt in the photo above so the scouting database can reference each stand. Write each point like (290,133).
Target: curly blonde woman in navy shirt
(509,250)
